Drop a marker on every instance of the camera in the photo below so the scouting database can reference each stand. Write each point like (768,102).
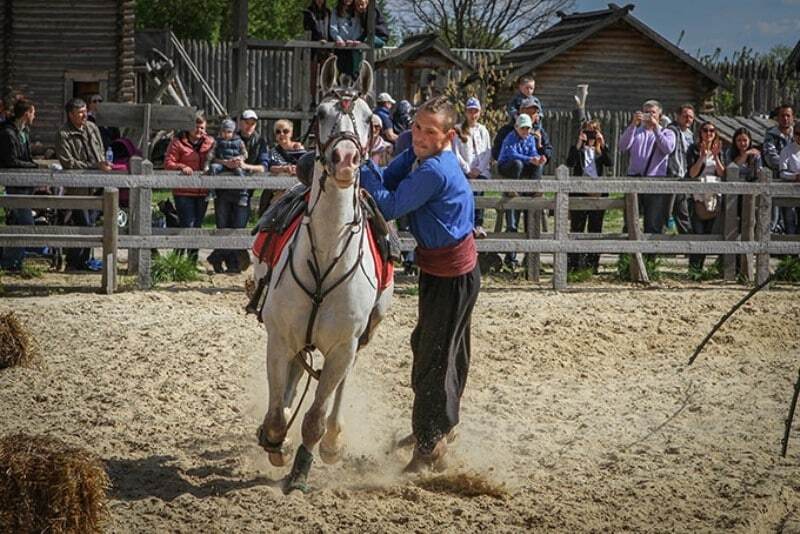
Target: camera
(590,134)
(647,116)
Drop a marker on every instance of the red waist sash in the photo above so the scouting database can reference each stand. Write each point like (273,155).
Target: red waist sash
(448,262)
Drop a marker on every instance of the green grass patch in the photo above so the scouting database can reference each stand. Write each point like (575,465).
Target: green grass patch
(174,267)
(31,270)
(579,275)
(788,269)
(709,273)
(652,264)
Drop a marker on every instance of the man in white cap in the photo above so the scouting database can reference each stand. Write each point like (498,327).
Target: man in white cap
(384,111)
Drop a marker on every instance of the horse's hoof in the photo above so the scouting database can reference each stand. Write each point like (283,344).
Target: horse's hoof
(279,453)
(405,442)
(279,459)
(330,456)
(289,487)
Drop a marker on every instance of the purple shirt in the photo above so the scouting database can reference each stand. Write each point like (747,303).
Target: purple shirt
(640,143)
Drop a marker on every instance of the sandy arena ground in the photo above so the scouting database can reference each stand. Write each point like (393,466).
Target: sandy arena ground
(579,403)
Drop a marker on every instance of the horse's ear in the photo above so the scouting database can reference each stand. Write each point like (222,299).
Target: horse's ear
(365,78)
(328,75)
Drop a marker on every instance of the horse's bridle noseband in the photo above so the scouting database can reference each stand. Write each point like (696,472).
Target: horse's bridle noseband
(347,99)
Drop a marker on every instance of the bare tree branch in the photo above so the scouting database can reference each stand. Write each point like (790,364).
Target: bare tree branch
(480,23)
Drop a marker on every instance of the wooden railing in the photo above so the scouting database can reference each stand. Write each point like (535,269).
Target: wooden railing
(79,237)
(753,240)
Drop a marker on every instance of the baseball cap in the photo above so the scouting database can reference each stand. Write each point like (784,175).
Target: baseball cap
(228,124)
(524,121)
(248,114)
(529,102)
(473,103)
(385,97)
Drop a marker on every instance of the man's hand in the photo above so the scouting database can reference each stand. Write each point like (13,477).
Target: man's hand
(538,160)
(474,173)
(104,166)
(637,118)
(187,171)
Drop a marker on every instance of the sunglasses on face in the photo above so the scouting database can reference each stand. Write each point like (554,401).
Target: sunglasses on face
(284,131)
(709,130)
(97,100)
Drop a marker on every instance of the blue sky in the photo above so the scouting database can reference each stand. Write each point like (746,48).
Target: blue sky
(727,24)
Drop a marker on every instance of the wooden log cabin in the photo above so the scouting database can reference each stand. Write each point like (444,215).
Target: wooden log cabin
(623,60)
(52,50)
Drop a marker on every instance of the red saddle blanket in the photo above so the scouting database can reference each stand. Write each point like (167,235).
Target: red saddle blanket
(268,247)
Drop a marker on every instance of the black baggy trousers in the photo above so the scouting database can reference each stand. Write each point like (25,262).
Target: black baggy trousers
(441,346)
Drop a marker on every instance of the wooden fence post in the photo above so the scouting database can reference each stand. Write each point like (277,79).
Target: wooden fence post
(637,267)
(140,223)
(762,228)
(748,222)
(730,223)
(110,239)
(561,230)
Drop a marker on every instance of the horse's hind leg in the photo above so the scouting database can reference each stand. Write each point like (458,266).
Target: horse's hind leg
(331,446)
(272,432)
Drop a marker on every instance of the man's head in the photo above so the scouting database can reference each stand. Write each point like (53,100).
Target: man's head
(531,107)
(76,112)
(473,108)
(94,101)
(686,116)
(434,127)
(526,85)
(385,100)
(652,108)
(523,125)
(24,112)
(785,116)
(248,121)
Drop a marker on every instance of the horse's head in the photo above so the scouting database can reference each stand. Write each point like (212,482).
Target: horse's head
(343,123)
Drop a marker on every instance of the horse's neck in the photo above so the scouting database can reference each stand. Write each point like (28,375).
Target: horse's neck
(331,219)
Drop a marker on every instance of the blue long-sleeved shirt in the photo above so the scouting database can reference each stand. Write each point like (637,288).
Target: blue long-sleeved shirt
(515,147)
(436,196)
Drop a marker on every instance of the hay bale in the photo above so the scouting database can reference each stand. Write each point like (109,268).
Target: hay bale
(48,486)
(16,345)
(463,485)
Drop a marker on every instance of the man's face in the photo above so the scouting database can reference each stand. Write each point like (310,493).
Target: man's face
(199,131)
(247,126)
(785,118)
(428,134)
(527,88)
(533,112)
(686,118)
(77,117)
(94,103)
(30,115)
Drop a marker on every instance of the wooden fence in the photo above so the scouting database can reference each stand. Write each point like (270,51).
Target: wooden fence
(753,239)
(54,236)
(758,86)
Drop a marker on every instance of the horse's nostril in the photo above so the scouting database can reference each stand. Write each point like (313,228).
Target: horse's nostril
(336,157)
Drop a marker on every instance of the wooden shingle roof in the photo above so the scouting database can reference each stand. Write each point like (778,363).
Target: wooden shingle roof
(574,28)
(417,47)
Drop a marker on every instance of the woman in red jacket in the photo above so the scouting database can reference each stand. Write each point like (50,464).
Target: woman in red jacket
(189,152)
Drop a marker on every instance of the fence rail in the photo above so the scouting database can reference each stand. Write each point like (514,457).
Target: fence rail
(751,237)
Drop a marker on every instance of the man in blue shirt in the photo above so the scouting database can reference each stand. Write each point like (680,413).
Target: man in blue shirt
(384,111)
(427,184)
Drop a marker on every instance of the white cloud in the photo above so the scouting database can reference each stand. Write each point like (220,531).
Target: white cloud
(791,2)
(779,27)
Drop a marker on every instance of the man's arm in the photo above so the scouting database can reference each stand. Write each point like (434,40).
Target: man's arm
(665,140)
(770,154)
(546,148)
(8,154)
(398,169)
(411,193)
(626,139)
(784,173)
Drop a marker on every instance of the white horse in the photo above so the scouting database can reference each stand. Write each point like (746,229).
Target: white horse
(323,293)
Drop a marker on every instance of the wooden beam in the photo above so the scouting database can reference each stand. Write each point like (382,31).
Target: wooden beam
(240,72)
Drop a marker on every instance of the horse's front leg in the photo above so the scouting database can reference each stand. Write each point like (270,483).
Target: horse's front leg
(272,432)
(338,362)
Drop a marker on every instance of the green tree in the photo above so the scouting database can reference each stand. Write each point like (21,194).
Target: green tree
(188,19)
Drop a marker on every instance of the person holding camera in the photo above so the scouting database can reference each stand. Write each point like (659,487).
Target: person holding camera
(589,157)
(705,164)
(649,146)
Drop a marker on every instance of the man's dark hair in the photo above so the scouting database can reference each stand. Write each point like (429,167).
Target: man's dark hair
(21,107)
(525,78)
(73,104)
(685,106)
(783,106)
(441,104)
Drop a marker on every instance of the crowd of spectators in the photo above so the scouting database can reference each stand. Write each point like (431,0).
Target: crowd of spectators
(520,149)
